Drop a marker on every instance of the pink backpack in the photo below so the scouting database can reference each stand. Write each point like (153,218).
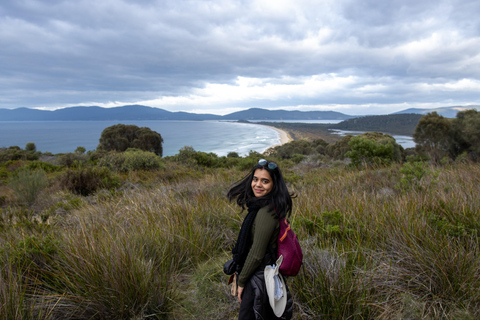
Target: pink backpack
(289,248)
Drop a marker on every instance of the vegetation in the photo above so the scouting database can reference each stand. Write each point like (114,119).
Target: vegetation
(131,160)
(16,153)
(402,124)
(433,136)
(27,184)
(121,137)
(439,137)
(130,235)
(374,148)
(305,131)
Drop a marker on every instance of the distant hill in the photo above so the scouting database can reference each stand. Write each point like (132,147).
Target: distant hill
(401,124)
(263,114)
(138,112)
(131,112)
(447,112)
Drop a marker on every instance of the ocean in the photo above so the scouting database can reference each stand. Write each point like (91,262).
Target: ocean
(219,137)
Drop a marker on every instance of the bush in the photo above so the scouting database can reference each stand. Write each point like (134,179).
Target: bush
(15,153)
(189,156)
(31,147)
(368,152)
(120,137)
(71,159)
(186,155)
(27,184)
(80,150)
(86,181)
(233,155)
(45,166)
(299,147)
(414,174)
(132,160)
(338,149)
(297,158)
(374,148)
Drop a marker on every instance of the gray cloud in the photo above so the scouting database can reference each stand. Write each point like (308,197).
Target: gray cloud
(226,55)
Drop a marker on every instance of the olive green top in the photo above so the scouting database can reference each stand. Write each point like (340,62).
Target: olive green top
(265,229)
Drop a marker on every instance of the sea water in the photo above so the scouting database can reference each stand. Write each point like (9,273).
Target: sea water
(219,137)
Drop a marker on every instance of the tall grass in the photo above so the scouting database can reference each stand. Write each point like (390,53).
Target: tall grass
(398,247)
(375,248)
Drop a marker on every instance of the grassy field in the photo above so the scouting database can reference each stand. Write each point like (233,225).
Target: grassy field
(397,242)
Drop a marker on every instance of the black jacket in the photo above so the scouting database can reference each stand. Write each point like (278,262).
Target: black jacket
(261,305)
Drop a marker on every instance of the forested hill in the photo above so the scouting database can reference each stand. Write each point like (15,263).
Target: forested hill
(138,112)
(402,124)
(264,114)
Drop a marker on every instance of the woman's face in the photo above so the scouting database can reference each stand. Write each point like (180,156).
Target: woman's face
(261,183)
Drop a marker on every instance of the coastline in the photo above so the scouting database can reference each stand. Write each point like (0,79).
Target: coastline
(284,136)
(64,136)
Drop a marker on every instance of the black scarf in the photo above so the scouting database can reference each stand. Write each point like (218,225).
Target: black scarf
(240,251)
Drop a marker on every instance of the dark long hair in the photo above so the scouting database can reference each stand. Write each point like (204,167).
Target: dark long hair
(279,198)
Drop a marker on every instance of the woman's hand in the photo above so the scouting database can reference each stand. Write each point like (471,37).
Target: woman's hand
(240,291)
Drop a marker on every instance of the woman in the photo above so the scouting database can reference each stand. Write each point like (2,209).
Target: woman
(266,196)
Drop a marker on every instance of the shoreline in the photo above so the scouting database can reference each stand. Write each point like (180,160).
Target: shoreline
(284,136)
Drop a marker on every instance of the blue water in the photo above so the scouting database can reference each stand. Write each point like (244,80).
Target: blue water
(207,136)
(299,121)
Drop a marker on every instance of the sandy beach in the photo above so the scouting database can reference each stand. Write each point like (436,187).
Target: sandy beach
(284,136)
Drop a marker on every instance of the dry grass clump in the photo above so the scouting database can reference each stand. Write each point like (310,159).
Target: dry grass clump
(418,245)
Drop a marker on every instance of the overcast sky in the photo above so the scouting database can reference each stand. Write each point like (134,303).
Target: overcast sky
(351,56)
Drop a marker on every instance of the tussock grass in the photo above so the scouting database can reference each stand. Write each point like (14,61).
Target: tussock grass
(375,248)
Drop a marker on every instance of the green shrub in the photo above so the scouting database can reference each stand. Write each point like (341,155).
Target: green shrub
(132,160)
(209,160)
(233,155)
(45,166)
(31,147)
(299,147)
(186,155)
(338,149)
(85,181)
(3,172)
(368,152)
(15,153)
(72,159)
(297,158)
(189,156)
(120,137)
(455,229)
(80,150)
(414,174)
(27,184)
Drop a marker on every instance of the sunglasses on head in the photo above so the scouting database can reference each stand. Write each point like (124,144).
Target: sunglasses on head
(264,162)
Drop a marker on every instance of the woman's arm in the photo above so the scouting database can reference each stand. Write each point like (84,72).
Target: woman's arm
(262,232)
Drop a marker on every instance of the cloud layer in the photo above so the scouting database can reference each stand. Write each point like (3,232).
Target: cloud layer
(357,57)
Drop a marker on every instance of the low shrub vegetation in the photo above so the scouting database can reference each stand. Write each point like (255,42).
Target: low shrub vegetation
(87,180)
(27,184)
(131,160)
